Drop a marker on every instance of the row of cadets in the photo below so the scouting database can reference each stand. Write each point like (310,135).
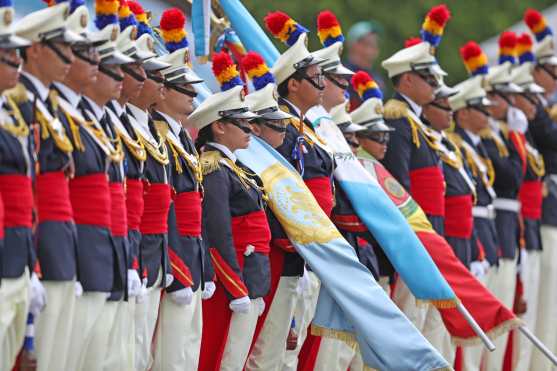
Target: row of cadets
(273,330)
(543,129)
(412,156)
(178,348)
(17,158)
(48,59)
(235,226)
(299,85)
(530,196)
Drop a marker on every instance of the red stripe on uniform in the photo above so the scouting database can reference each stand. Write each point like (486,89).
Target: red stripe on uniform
(283,244)
(227,276)
(180,270)
(349,223)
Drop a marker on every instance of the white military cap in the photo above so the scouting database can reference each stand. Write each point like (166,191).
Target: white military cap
(370,115)
(522,76)
(545,52)
(295,58)
(263,102)
(470,94)
(179,70)
(414,58)
(48,24)
(341,117)
(444,91)
(140,49)
(499,79)
(332,63)
(226,104)
(7,38)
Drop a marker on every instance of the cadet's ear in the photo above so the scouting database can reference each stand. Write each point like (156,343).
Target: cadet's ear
(256,128)
(293,85)
(33,52)
(217,128)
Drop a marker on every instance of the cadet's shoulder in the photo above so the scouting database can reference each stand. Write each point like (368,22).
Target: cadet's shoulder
(18,94)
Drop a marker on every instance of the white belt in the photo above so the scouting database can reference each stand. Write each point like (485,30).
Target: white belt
(507,204)
(486,212)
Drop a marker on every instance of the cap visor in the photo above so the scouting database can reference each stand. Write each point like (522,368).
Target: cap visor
(116,57)
(248,115)
(352,128)
(534,88)
(71,37)
(14,42)
(152,64)
(437,70)
(510,88)
(445,92)
(378,126)
(276,115)
(341,70)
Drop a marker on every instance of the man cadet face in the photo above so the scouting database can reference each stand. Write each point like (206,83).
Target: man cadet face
(9,72)
(306,89)
(132,84)
(271,131)
(335,87)
(500,104)
(420,87)
(546,76)
(53,67)
(179,102)
(438,114)
(82,71)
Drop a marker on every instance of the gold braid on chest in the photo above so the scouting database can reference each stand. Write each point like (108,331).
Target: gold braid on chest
(19,127)
(135,147)
(47,130)
(192,160)
(114,146)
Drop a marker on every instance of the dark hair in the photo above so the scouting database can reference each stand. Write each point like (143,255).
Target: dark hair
(282,88)
(204,136)
(395,80)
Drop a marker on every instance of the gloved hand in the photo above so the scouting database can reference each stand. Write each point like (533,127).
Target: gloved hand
(78,289)
(209,290)
(37,295)
(517,120)
(478,269)
(259,306)
(169,278)
(134,283)
(241,305)
(182,296)
(140,298)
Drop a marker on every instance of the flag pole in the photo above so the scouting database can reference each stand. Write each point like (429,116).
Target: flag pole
(477,329)
(541,346)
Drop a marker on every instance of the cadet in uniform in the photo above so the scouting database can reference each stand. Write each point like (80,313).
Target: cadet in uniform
(17,161)
(544,133)
(273,329)
(178,348)
(235,226)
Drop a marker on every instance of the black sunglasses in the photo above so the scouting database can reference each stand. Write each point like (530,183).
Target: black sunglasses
(312,80)
(549,71)
(381,137)
(155,77)
(130,71)
(429,79)
(277,128)
(111,73)
(331,78)
(180,89)
(480,109)
(245,128)
(440,106)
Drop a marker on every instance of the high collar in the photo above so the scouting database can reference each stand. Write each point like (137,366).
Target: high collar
(97,110)
(475,138)
(116,107)
(413,105)
(68,94)
(292,107)
(141,116)
(224,149)
(38,85)
(174,125)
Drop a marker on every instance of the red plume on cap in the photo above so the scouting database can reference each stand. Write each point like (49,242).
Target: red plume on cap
(412,41)
(226,71)
(283,27)
(537,24)
(507,47)
(474,58)
(524,49)
(328,28)
(434,24)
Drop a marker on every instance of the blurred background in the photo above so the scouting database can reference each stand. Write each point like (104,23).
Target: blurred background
(382,26)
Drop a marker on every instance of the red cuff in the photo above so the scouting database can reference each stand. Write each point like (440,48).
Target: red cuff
(284,244)
(230,280)
(180,270)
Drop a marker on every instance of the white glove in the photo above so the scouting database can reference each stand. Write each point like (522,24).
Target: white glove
(37,295)
(140,298)
(134,283)
(209,290)
(259,306)
(517,120)
(182,296)
(240,305)
(78,289)
(478,269)
(169,279)
(523,262)
(304,284)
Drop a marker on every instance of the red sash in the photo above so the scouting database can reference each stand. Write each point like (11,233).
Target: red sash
(350,223)
(90,199)
(118,217)
(188,213)
(53,197)
(156,198)
(17,194)
(531,199)
(1,217)
(427,187)
(134,202)
(322,190)
(459,221)
(251,229)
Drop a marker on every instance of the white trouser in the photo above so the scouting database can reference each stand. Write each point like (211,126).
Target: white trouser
(304,312)
(14,304)
(436,333)
(546,328)
(503,286)
(89,309)
(178,338)
(523,348)
(97,351)
(240,336)
(337,355)
(53,326)
(120,354)
(269,348)
(146,314)
(404,299)
(472,355)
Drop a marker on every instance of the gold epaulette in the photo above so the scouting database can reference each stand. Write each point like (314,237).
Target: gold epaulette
(161,127)
(455,138)
(395,109)
(210,161)
(18,94)
(504,129)
(552,111)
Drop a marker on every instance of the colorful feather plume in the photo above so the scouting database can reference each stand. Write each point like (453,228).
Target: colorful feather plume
(142,18)
(257,70)
(365,86)
(537,24)
(474,59)
(226,71)
(507,47)
(434,24)
(106,13)
(328,28)
(126,16)
(283,27)
(524,49)
(172,26)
